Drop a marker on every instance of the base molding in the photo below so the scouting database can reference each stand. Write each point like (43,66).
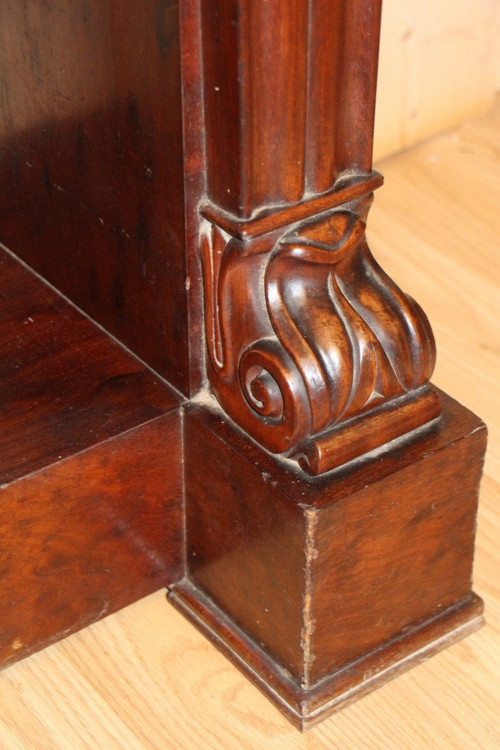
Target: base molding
(306,707)
(322,589)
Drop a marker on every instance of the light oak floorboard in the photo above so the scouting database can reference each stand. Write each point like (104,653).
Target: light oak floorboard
(438,66)
(144,678)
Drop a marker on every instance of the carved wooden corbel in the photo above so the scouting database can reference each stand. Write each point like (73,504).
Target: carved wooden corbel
(317,590)
(113,483)
(312,348)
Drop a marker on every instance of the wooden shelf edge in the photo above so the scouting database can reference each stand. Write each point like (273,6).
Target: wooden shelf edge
(83,422)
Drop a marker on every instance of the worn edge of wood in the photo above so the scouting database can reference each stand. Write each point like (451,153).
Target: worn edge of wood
(305,708)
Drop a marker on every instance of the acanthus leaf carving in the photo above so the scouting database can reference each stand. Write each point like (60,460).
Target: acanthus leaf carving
(307,335)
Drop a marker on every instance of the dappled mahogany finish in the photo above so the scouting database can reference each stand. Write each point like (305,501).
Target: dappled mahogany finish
(320,591)
(289,90)
(92,165)
(308,340)
(64,384)
(90,471)
(196,175)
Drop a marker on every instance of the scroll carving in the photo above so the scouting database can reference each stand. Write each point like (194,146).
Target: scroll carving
(307,337)
(312,349)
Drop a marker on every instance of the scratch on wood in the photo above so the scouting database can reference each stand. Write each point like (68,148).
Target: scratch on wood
(309,622)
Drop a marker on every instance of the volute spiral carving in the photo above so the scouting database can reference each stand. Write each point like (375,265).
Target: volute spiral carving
(312,349)
(306,333)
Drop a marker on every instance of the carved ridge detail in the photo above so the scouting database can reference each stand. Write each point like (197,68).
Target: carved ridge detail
(306,333)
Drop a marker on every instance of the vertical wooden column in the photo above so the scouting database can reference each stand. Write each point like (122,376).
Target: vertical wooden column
(289,92)
(327,570)
(218,156)
(312,349)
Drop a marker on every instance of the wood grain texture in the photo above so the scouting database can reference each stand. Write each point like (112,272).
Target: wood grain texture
(267,134)
(143,679)
(306,708)
(82,423)
(91,164)
(65,385)
(305,332)
(87,536)
(321,590)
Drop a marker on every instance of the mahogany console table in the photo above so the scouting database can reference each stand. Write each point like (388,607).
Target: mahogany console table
(219,391)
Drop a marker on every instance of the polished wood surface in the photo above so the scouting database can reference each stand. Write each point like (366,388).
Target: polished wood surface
(312,349)
(82,423)
(305,333)
(317,355)
(92,165)
(322,591)
(143,678)
(267,134)
(65,385)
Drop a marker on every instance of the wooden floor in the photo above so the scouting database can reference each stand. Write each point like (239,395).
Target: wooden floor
(144,678)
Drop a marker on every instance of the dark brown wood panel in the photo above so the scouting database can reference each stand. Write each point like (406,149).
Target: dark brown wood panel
(359,66)
(91,163)
(323,589)
(234,511)
(255,121)
(289,94)
(88,535)
(64,384)
(91,509)
(326,28)
(395,554)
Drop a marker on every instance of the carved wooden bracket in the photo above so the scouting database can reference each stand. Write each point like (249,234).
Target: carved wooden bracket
(312,349)
(309,341)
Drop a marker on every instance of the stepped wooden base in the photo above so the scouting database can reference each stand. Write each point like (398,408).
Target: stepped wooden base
(306,707)
(322,589)
(319,588)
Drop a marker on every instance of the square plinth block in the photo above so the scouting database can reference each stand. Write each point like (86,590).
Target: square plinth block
(322,589)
